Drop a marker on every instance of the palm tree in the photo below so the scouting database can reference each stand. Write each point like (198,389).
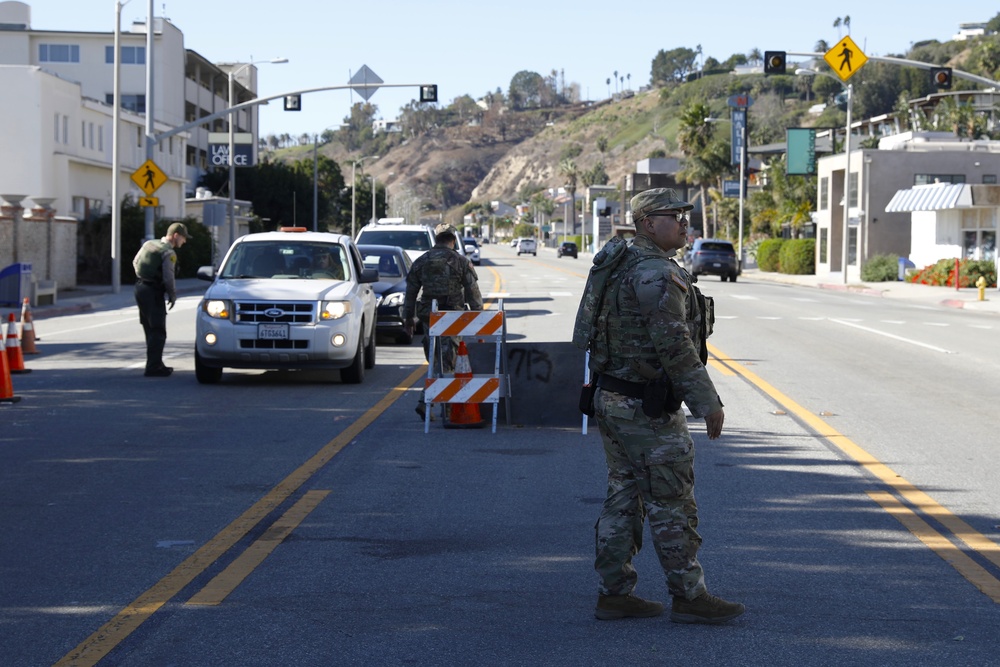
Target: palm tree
(821,46)
(569,169)
(609,86)
(755,56)
(629,77)
(694,135)
(616,81)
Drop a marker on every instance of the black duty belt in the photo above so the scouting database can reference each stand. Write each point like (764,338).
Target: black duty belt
(623,387)
(151,283)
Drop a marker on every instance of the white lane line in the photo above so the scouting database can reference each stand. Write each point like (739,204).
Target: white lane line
(935,324)
(560,294)
(765,317)
(743,297)
(812,319)
(892,321)
(893,336)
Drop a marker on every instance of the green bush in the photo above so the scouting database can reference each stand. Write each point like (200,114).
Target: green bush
(880,268)
(767,255)
(797,257)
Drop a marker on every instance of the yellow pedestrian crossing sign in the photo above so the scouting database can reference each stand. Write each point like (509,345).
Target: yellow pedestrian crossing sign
(149,201)
(845,58)
(149,177)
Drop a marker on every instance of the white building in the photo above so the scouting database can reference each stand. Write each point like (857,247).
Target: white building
(56,130)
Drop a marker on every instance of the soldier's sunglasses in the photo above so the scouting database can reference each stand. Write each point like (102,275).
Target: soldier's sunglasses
(680,216)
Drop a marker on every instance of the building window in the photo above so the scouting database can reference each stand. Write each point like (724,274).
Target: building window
(136,103)
(824,193)
(65,130)
(927,179)
(824,234)
(852,190)
(989,179)
(58,53)
(131,55)
(83,133)
(100,138)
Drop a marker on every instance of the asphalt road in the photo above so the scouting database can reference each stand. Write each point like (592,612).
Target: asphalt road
(286,519)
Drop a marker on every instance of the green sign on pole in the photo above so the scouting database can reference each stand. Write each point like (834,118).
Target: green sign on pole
(801,158)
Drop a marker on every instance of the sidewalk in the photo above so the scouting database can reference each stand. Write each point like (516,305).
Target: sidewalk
(85,298)
(946,297)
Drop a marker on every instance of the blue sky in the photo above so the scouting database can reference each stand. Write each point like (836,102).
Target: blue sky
(469,47)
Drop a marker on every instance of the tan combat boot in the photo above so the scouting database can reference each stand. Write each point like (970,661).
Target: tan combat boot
(705,608)
(613,607)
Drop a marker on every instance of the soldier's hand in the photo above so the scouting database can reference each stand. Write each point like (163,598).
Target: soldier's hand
(170,304)
(713,424)
(408,327)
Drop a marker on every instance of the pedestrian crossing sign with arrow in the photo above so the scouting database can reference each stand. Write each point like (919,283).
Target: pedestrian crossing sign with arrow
(845,58)
(149,177)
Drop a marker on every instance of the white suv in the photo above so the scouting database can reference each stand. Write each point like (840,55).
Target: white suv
(290,299)
(414,239)
(527,245)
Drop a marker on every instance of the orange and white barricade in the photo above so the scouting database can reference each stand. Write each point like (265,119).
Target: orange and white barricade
(466,388)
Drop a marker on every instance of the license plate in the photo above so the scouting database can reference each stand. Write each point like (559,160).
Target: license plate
(271,331)
(716,264)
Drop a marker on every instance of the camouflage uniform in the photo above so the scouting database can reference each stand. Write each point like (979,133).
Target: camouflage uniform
(154,265)
(441,273)
(651,317)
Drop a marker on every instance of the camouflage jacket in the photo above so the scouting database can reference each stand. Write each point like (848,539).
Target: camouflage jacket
(655,319)
(443,274)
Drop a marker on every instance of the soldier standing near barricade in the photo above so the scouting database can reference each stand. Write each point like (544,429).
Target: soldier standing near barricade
(646,337)
(154,265)
(440,273)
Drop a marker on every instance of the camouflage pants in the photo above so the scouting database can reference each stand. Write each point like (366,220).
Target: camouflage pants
(650,472)
(445,354)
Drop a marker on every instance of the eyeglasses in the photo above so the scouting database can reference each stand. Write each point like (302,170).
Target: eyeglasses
(680,216)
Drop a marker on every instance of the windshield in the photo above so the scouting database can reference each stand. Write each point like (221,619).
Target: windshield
(717,247)
(388,263)
(408,239)
(287,259)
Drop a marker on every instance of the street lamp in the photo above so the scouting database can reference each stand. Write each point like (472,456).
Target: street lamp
(232,139)
(116,209)
(374,199)
(743,182)
(847,165)
(354,181)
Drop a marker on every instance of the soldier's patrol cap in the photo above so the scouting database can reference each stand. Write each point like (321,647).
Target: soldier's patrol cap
(444,228)
(178,228)
(657,199)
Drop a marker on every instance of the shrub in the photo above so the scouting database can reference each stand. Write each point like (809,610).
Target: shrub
(797,257)
(880,268)
(767,254)
(943,273)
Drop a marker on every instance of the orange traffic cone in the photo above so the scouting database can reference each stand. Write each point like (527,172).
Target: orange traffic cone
(28,336)
(15,360)
(6,386)
(464,415)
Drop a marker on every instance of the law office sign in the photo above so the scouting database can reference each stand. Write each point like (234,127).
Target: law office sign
(218,149)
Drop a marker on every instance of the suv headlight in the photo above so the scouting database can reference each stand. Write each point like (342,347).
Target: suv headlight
(219,309)
(394,299)
(334,310)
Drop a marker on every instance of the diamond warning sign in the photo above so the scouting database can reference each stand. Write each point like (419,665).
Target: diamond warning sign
(845,58)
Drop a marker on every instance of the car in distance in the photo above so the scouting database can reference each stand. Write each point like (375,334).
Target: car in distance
(712,256)
(567,249)
(393,265)
(290,299)
(471,250)
(526,246)
(414,239)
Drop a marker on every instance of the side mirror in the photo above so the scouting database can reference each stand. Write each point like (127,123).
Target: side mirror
(368,276)
(206,273)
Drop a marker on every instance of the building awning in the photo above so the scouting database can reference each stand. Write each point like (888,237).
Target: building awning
(933,197)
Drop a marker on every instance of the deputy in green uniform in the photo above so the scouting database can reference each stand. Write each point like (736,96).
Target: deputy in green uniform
(443,274)
(155,288)
(651,327)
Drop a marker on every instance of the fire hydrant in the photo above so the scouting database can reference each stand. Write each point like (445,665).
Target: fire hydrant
(981,284)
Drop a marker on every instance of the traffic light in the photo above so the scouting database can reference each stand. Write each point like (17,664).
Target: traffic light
(293,103)
(429,93)
(941,77)
(774,62)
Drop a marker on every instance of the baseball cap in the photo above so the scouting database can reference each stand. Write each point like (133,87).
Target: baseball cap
(657,199)
(178,228)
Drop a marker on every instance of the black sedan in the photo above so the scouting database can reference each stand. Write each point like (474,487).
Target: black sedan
(567,249)
(393,264)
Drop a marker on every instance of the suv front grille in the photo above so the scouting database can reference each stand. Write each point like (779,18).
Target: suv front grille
(292,312)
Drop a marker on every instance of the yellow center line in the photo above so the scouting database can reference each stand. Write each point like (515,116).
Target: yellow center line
(919,499)
(226,581)
(95,647)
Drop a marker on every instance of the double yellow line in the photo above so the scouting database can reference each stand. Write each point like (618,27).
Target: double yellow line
(979,576)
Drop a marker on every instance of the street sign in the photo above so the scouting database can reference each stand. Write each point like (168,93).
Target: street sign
(846,58)
(730,188)
(149,177)
(149,201)
(367,78)
(739,118)
(740,101)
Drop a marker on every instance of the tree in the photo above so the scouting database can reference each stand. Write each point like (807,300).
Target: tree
(755,56)
(526,90)
(821,46)
(571,172)
(694,136)
(672,66)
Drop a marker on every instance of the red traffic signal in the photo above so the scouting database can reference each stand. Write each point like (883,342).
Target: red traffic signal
(941,77)
(774,62)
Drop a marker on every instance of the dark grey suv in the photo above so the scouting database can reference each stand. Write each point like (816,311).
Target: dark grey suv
(713,256)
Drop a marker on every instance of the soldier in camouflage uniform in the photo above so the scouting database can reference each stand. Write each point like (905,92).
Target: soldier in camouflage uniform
(651,319)
(440,273)
(154,266)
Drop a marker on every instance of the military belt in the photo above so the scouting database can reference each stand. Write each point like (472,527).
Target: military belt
(151,283)
(623,387)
